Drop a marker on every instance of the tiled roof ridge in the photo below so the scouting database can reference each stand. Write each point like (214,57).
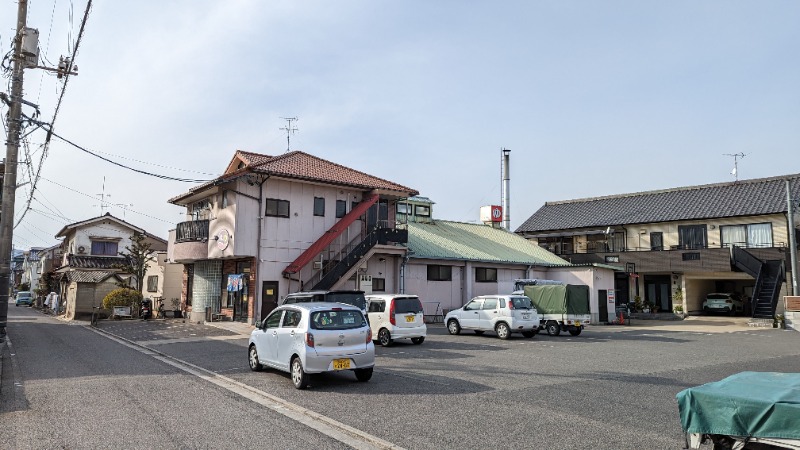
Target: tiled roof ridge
(298,152)
(677,189)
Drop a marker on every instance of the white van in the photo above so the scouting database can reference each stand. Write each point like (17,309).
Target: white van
(396,316)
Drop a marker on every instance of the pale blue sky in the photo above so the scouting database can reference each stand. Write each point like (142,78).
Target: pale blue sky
(593,98)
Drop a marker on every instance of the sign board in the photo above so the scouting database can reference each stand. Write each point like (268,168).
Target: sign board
(612,297)
(122,310)
(630,267)
(491,213)
(792,303)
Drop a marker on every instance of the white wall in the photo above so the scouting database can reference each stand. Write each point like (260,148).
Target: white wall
(596,278)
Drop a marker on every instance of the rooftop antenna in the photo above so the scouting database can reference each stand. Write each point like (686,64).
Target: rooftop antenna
(736,157)
(103,196)
(289,129)
(124,207)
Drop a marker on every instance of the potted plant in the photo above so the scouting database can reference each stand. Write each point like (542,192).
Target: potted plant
(637,304)
(176,307)
(780,322)
(678,310)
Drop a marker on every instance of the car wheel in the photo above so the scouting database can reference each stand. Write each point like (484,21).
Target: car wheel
(553,329)
(575,331)
(299,376)
(453,327)
(479,332)
(253,359)
(502,330)
(384,338)
(528,334)
(363,374)
(418,340)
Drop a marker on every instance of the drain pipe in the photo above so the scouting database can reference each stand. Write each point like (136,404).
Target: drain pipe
(256,304)
(792,240)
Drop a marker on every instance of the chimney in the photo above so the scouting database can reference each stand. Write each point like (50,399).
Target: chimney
(505,188)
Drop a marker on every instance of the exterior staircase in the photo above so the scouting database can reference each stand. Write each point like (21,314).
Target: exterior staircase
(769,276)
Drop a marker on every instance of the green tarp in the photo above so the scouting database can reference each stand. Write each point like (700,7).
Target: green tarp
(757,404)
(559,299)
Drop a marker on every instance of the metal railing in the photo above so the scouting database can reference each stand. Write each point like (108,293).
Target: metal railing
(195,230)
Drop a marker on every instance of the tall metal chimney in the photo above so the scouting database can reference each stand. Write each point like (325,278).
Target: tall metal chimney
(506,188)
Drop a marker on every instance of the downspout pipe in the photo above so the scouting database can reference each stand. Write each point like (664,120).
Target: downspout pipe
(792,238)
(257,303)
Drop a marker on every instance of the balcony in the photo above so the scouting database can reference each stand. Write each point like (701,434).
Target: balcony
(191,242)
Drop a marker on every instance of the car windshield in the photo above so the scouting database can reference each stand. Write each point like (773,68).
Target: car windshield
(407,305)
(23,294)
(337,320)
(718,296)
(521,302)
(356,299)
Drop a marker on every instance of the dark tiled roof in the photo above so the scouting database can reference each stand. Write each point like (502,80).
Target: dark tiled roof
(744,198)
(95,262)
(90,276)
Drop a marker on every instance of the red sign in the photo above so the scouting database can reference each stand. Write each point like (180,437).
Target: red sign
(497,213)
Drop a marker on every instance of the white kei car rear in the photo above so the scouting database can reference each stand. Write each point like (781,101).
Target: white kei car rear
(396,316)
(503,314)
(308,338)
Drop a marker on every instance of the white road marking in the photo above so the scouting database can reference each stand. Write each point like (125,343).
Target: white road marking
(341,432)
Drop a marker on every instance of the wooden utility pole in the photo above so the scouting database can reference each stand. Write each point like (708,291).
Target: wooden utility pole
(10,177)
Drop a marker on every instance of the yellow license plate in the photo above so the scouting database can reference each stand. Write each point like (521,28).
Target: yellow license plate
(409,318)
(341,364)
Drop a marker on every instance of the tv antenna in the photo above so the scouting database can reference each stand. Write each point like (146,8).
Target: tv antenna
(103,196)
(289,129)
(736,157)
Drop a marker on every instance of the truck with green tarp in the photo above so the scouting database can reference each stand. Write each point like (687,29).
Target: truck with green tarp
(561,307)
(748,410)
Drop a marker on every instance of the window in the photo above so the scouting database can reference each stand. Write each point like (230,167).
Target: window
(421,210)
(152,283)
(485,275)
(319,206)
(377,306)
(490,304)
(291,319)
(403,208)
(657,241)
(752,235)
(341,208)
(277,208)
(379,284)
(692,236)
(560,245)
(474,305)
(439,273)
(104,248)
(337,320)
(224,199)
(407,305)
(273,320)
(691,256)
(600,243)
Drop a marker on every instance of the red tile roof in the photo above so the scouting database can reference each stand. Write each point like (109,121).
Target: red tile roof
(308,167)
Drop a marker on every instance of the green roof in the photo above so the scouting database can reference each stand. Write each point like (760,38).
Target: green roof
(475,242)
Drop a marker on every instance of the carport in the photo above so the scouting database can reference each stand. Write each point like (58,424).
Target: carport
(697,286)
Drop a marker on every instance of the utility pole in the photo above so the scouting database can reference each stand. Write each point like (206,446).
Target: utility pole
(736,156)
(792,240)
(10,177)
(288,129)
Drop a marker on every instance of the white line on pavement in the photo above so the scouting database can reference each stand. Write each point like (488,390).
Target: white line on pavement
(341,432)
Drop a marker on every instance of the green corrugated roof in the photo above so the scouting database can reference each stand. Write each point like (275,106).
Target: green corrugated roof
(475,242)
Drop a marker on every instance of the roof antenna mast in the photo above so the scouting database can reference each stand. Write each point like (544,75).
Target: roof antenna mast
(736,157)
(289,129)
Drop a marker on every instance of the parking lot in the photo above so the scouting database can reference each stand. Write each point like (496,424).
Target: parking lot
(610,387)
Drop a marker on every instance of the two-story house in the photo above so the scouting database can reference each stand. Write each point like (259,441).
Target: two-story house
(90,265)
(682,242)
(273,225)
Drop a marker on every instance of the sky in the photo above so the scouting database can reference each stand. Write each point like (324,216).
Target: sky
(592,98)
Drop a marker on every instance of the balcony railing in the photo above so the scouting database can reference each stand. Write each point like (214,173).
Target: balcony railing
(601,247)
(192,231)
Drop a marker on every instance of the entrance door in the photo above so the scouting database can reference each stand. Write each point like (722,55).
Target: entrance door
(239,305)
(657,291)
(269,297)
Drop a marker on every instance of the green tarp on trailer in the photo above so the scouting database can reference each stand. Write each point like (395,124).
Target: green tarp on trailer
(559,299)
(758,404)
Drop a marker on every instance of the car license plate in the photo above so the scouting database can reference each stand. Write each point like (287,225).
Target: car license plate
(526,316)
(410,318)
(341,364)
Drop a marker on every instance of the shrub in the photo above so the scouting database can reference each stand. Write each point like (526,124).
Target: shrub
(678,308)
(122,297)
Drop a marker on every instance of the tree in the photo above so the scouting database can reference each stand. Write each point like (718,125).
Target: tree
(137,255)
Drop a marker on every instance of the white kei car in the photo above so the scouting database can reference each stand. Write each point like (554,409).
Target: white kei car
(396,316)
(503,314)
(305,338)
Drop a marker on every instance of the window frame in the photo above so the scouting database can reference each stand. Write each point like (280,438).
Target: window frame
(482,275)
(376,281)
(277,207)
(422,210)
(341,208)
(104,251)
(319,206)
(152,283)
(438,272)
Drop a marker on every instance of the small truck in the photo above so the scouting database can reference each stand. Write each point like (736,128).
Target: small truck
(561,307)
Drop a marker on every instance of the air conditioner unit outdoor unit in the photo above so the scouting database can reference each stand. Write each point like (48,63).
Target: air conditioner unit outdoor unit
(81,250)
(317,265)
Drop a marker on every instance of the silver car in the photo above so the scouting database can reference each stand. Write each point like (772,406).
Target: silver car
(503,314)
(306,338)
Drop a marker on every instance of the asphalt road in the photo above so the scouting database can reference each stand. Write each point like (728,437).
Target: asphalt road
(611,387)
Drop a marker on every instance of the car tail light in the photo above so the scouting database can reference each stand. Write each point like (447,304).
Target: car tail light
(729,301)
(310,340)
(510,304)
(391,314)
(369,335)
